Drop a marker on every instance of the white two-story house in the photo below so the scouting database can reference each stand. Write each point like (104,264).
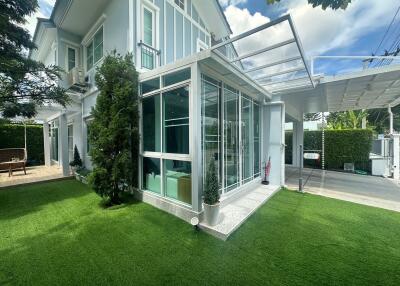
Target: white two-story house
(204,94)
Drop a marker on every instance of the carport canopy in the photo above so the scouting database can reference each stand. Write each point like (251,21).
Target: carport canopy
(367,89)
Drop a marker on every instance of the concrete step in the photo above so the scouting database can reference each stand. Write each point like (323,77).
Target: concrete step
(234,214)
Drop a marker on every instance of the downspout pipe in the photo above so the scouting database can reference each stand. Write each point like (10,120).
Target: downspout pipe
(390,120)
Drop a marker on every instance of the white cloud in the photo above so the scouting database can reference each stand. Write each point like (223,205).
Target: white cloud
(319,30)
(225,3)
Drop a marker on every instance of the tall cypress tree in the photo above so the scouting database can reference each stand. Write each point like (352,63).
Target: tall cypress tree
(114,131)
(24,83)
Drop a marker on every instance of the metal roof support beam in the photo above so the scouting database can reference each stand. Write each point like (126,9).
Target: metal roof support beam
(252,31)
(280,73)
(284,81)
(300,47)
(273,64)
(278,45)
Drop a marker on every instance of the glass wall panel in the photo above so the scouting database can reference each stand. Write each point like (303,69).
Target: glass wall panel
(211,139)
(231,138)
(177,180)
(256,132)
(176,120)
(247,130)
(151,124)
(70,142)
(151,175)
(176,77)
(150,85)
(54,141)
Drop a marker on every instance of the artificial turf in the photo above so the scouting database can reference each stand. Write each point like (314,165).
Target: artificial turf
(57,234)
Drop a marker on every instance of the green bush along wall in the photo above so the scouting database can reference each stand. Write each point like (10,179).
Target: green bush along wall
(12,136)
(341,146)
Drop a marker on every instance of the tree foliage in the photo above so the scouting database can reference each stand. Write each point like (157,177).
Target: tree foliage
(380,119)
(334,4)
(211,187)
(114,131)
(24,83)
(346,119)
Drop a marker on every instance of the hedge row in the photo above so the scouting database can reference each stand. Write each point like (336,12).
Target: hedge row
(12,136)
(341,146)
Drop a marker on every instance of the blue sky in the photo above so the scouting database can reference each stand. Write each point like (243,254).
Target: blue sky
(355,31)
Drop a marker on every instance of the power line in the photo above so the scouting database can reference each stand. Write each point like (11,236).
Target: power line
(387,30)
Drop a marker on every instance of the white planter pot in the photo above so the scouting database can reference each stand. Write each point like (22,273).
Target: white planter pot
(211,213)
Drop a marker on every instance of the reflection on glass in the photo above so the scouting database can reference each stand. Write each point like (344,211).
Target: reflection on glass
(231,137)
(256,133)
(211,124)
(176,77)
(178,181)
(246,125)
(150,85)
(151,124)
(176,120)
(54,140)
(151,175)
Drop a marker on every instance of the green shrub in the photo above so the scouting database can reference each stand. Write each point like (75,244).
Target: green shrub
(211,188)
(12,136)
(341,146)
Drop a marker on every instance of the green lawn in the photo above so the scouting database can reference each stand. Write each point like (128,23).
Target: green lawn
(56,234)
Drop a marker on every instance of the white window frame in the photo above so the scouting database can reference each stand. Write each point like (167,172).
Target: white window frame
(183,3)
(201,45)
(66,57)
(91,41)
(154,28)
(70,136)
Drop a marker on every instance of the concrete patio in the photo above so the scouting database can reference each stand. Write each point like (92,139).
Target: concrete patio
(33,174)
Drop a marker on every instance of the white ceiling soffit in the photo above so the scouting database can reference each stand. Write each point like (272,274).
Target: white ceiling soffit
(371,88)
(212,14)
(278,65)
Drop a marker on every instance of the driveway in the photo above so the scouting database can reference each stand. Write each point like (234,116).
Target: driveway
(368,190)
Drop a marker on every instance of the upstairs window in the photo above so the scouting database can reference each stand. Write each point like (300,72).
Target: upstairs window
(71,58)
(148,27)
(94,50)
(181,4)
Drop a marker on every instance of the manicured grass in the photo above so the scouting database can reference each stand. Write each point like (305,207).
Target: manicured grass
(56,234)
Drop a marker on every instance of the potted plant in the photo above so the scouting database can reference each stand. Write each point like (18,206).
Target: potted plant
(211,195)
(76,164)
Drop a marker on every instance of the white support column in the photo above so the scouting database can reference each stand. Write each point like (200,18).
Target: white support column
(63,144)
(298,139)
(46,144)
(396,156)
(195,137)
(276,146)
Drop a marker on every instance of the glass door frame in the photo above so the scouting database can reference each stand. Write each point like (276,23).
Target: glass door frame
(241,96)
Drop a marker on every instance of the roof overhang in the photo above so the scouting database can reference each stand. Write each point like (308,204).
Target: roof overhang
(213,15)
(214,63)
(368,89)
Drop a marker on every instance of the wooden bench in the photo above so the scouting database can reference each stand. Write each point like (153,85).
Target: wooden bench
(12,159)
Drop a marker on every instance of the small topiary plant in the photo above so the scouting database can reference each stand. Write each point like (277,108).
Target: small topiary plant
(77,162)
(211,186)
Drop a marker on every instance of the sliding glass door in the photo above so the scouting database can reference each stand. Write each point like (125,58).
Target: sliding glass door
(230,134)
(247,145)
(231,138)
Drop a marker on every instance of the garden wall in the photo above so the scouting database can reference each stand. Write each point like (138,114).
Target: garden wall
(341,146)
(12,136)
